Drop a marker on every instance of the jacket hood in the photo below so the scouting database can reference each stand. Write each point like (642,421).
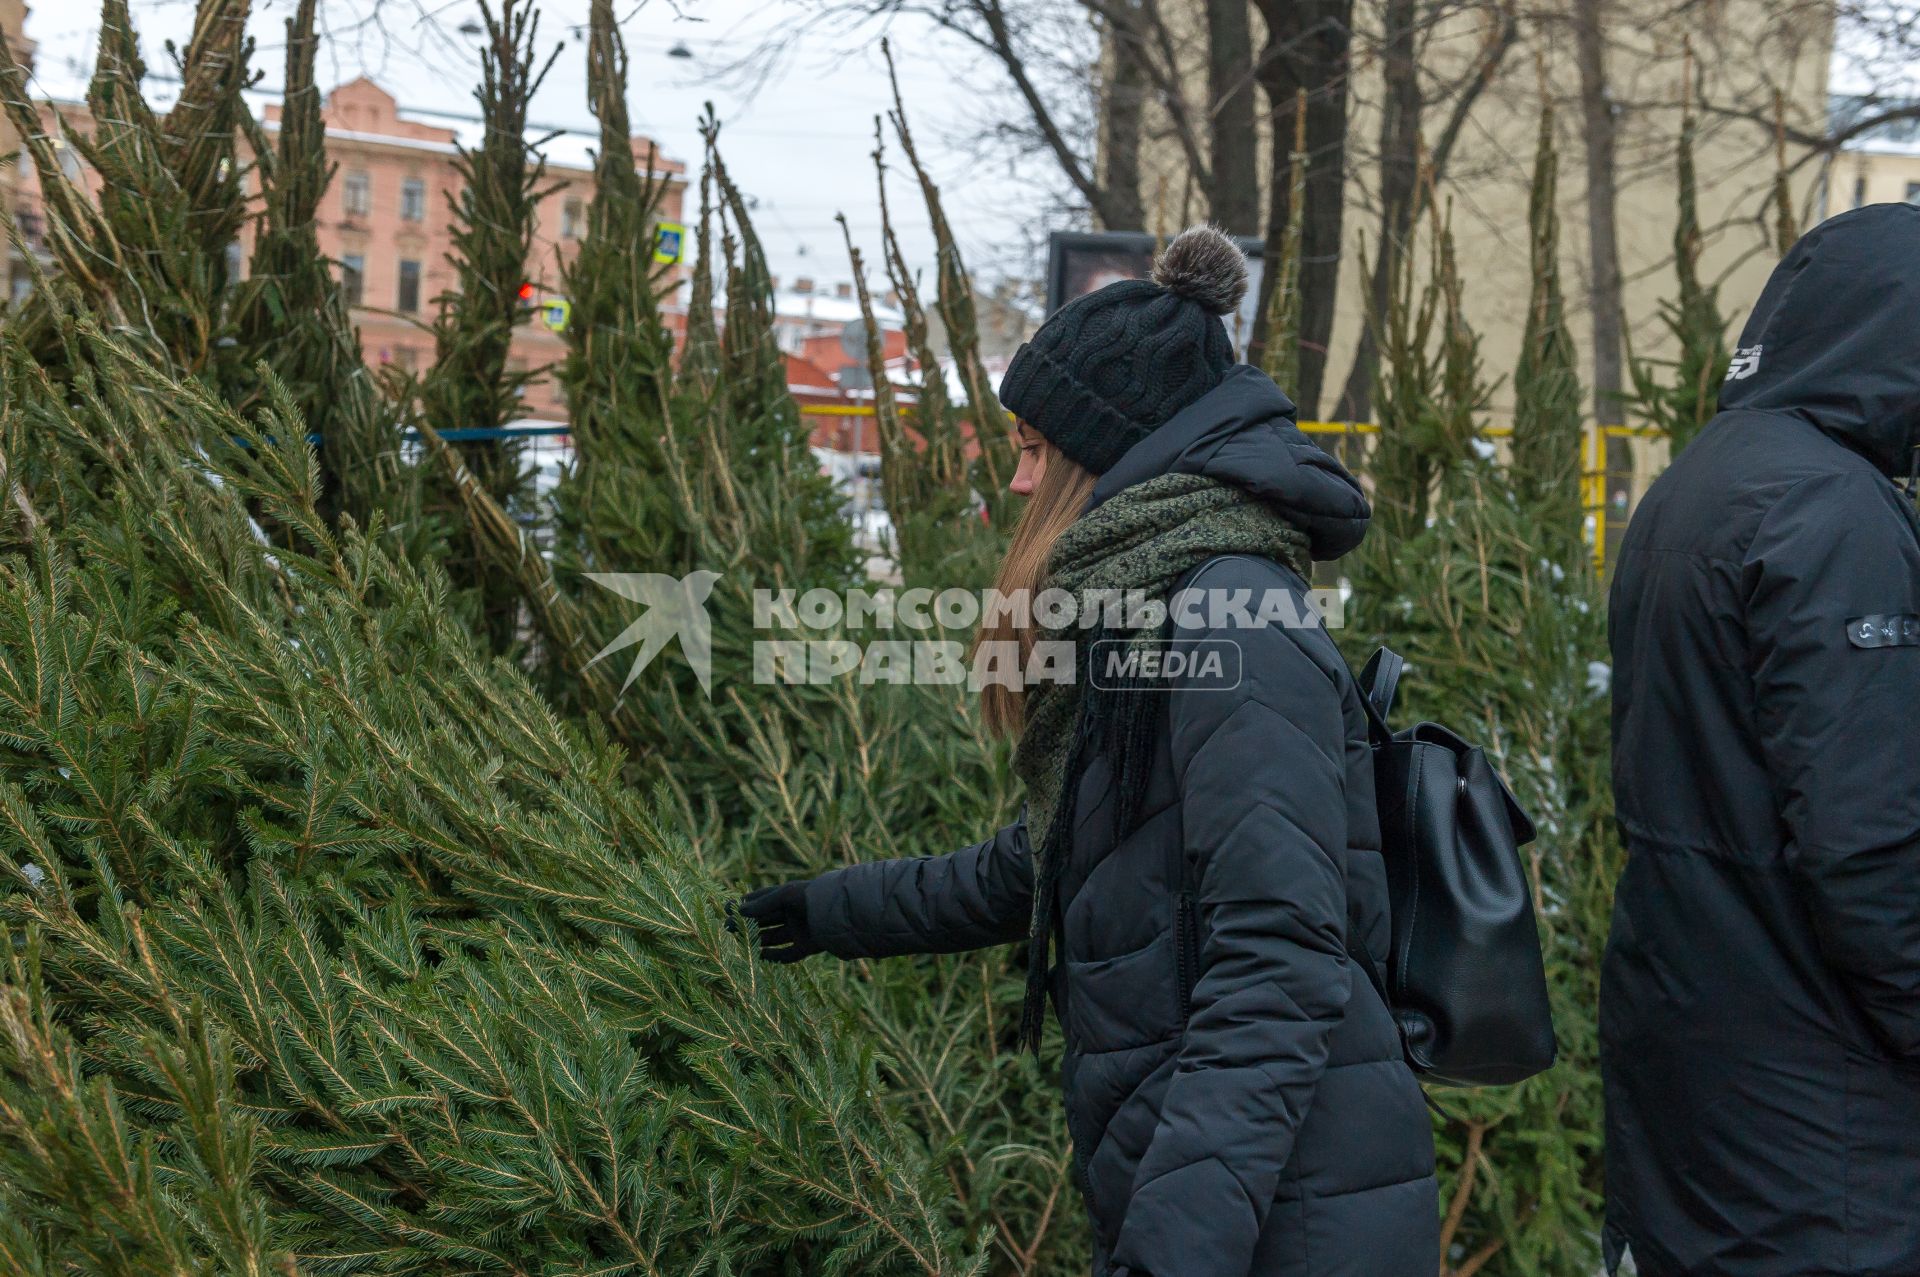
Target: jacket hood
(1835,338)
(1244,432)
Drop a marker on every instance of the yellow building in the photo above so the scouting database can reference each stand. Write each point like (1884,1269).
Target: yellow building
(1748,60)
(1745,51)
(1878,167)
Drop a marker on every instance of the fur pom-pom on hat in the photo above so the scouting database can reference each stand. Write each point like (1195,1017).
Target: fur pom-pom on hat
(1205,266)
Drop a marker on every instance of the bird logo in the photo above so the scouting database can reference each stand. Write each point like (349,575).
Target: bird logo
(674,606)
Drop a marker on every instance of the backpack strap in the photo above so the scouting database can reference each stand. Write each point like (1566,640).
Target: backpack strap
(1379,683)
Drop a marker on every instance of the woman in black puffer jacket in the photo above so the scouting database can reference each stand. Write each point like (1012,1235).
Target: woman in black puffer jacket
(1203,848)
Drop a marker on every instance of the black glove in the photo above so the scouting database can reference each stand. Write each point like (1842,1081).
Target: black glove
(781,911)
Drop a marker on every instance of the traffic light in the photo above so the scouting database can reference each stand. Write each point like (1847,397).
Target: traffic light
(527,292)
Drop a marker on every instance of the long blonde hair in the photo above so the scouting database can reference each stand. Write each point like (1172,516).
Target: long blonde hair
(1059,498)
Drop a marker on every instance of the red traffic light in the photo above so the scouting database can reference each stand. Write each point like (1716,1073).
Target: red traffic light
(526,292)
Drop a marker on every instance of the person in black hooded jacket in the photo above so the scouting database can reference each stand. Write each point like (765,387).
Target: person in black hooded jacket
(1234,1086)
(1760,999)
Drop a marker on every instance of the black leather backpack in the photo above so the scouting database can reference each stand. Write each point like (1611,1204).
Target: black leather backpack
(1465,980)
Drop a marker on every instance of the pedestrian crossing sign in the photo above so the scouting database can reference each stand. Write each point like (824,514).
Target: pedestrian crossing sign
(669,242)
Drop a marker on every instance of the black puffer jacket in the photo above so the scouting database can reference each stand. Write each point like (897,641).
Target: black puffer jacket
(1760,1002)
(1270,1130)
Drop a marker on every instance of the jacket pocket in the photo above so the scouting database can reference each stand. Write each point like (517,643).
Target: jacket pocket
(1125,1001)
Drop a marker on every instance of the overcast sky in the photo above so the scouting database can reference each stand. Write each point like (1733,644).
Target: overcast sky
(797,141)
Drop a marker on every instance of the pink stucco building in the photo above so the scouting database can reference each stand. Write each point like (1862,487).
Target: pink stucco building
(387,223)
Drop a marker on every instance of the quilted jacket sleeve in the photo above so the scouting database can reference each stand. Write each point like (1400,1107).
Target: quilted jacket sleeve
(1833,620)
(1262,783)
(981,895)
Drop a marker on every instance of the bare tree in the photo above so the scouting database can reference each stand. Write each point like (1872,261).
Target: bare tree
(1307,48)
(1234,194)
(1098,81)
(1122,116)
(1405,24)
(1599,132)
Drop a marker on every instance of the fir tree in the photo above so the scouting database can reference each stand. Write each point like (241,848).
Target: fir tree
(292,313)
(152,252)
(926,478)
(1680,395)
(1505,639)
(1429,391)
(333,943)
(470,385)
(954,301)
(1547,432)
(781,779)
(724,483)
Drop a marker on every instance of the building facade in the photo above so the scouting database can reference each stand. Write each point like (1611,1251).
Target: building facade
(1730,57)
(13,24)
(1880,166)
(387,223)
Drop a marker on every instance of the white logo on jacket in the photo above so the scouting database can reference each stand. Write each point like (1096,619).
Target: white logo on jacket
(1746,362)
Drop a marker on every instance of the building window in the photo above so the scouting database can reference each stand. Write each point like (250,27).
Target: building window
(573,216)
(356,194)
(413,200)
(1859,190)
(1913,192)
(409,299)
(353,277)
(407,357)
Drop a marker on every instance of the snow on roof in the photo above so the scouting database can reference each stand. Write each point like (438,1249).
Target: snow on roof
(1899,136)
(829,309)
(1882,146)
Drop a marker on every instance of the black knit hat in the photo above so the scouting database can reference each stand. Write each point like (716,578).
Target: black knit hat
(1108,369)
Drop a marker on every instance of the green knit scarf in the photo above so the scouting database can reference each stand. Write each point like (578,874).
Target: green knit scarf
(1143,539)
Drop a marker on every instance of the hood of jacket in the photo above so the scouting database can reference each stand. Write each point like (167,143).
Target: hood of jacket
(1244,432)
(1835,336)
